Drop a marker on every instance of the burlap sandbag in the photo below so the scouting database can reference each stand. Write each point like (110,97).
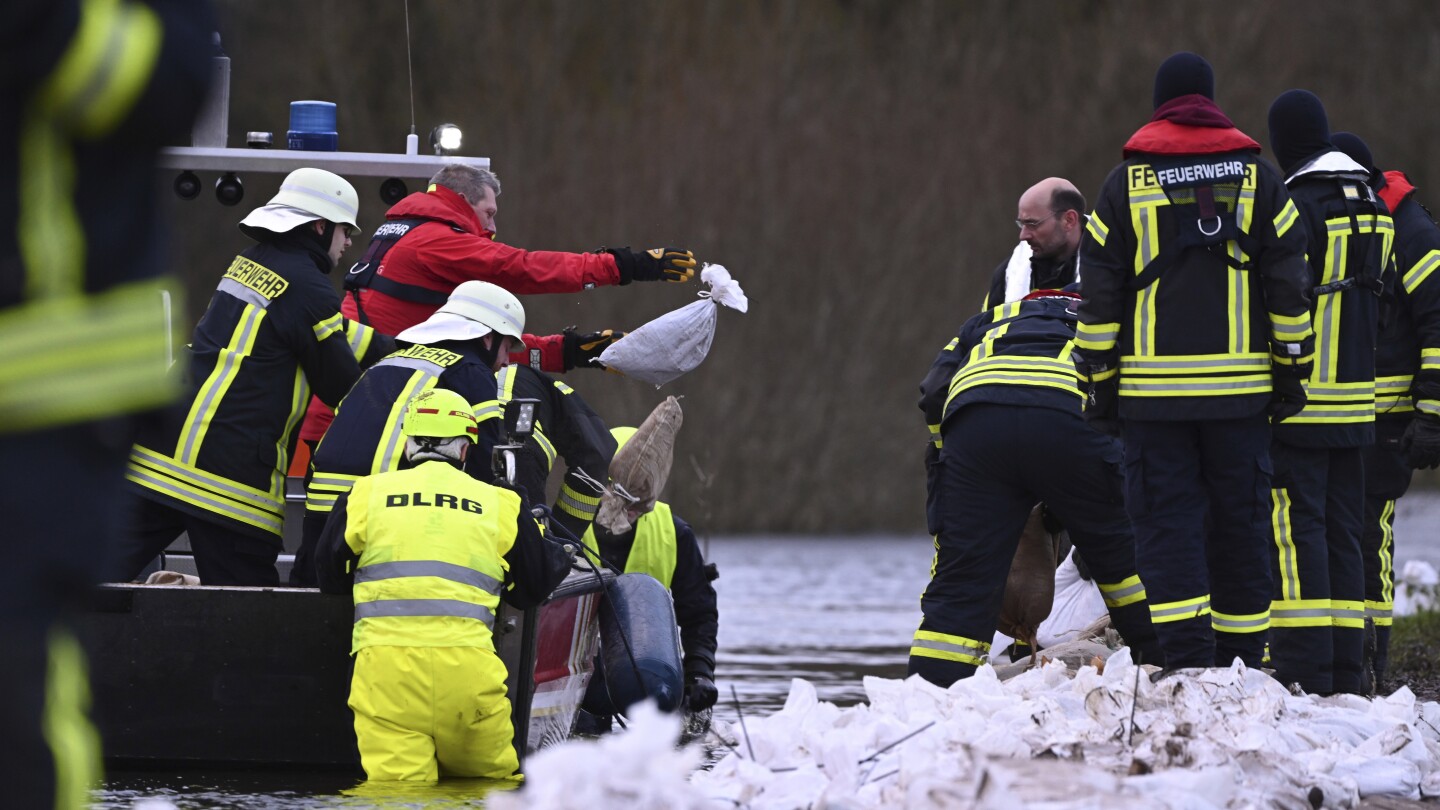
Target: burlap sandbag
(1030,587)
(641,468)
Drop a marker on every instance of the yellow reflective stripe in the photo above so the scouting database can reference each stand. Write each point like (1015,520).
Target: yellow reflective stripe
(1144,319)
(390,447)
(329,326)
(1338,403)
(489,409)
(101,75)
(1165,612)
(1428,406)
(1240,622)
(52,243)
(326,488)
(1280,532)
(359,336)
(574,502)
(212,493)
(1249,363)
(73,741)
(1300,613)
(75,359)
(1345,613)
(1097,229)
(212,391)
(1127,591)
(505,383)
(1430,359)
(1387,552)
(1194,386)
(299,402)
(1420,271)
(1286,218)
(1096,337)
(1290,328)
(950,347)
(1392,394)
(928,644)
(545,446)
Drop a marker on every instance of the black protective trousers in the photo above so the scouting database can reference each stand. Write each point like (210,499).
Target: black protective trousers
(1198,494)
(61,502)
(1317,621)
(1387,478)
(223,556)
(997,462)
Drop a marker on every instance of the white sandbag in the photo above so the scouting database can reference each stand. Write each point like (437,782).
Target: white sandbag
(1077,606)
(677,341)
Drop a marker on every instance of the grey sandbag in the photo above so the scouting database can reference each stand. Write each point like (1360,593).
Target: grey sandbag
(640,469)
(1030,586)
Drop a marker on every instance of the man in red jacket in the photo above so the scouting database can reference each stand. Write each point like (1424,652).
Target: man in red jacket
(432,241)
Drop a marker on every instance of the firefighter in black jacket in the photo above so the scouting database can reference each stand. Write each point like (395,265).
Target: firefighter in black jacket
(272,334)
(1317,619)
(91,90)
(1407,387)
(1196,318)
(567,426)
(1003,403)
(458,348)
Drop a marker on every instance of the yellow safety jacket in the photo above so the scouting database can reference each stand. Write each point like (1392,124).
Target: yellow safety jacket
(431,543)
(654,549)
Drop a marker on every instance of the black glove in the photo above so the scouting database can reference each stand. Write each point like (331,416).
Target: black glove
(700,692)
(1287,397)
(1102,406)
(580,349)
(1421,443)
(659,264)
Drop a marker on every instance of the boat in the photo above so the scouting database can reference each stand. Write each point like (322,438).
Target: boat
(196,676)
(191,676)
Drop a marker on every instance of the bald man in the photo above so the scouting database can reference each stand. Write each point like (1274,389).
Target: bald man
(1050,216)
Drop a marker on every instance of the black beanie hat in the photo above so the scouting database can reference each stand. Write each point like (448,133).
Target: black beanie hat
(1183,74)
(1298,128)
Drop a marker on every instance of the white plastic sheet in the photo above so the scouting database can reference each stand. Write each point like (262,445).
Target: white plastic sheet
(677,341)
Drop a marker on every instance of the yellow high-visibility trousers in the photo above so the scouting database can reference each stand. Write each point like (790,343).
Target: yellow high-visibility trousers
(425,711)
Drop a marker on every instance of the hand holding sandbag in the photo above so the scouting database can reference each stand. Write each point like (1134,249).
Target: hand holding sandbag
(582,350)
(657,264)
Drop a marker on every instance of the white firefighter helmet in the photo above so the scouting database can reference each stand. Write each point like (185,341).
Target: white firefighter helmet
(306,195)
(474,310)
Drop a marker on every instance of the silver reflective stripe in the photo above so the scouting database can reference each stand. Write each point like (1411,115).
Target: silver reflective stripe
(385,608)
(578,508)
(1238,364)
(428,568)
(1300,613)
(1118,594)
(211,482)
(269,519)
(975,650)
(249,296)
(1191,611)
(1225,623)
(1357,614)
(1357,412)
(1219,384)
(1379,613)
(413,363)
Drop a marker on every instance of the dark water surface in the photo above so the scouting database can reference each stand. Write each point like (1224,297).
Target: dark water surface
(829,610)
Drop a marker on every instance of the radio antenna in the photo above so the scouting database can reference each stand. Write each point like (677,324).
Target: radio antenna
(410,67)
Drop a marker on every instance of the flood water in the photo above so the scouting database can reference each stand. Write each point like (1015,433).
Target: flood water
(829,610)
